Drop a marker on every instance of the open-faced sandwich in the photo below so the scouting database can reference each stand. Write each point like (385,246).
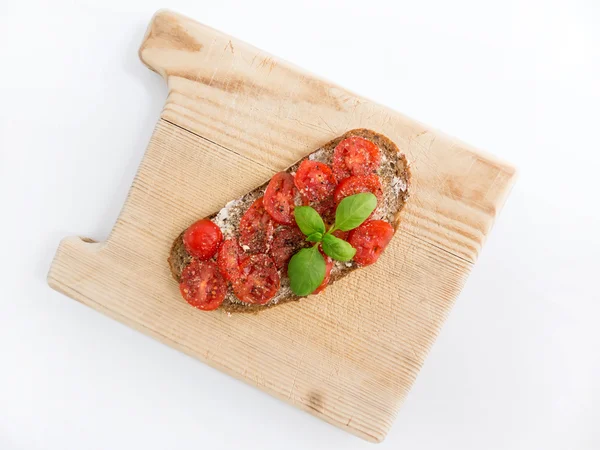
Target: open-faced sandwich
(330,213)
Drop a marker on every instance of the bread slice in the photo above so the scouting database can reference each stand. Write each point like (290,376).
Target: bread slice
(395,179)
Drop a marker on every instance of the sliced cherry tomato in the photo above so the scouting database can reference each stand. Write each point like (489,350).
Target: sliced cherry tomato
(340,234)
(286,242)
(325,208)
(256,228)
(315,180)
(369,240)
(279,198)
(202,285)
(355,156)
(357,184)
(259,280)
(229,259)
(202,239)
(328,267)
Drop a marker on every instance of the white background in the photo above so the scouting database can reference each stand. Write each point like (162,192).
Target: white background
(517,365)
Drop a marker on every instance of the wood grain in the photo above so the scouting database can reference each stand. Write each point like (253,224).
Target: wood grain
(234,116)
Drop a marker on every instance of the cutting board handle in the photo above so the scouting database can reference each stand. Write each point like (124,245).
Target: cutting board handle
(169,43)
(75,259)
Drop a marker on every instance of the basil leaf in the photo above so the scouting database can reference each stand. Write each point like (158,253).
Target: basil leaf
(306,271)
(354,210)
(337,248)
(308,220)
(314,237)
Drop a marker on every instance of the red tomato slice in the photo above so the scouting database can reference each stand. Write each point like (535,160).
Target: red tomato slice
(325,208)
(357,184)
(341,234)
(202,285)
(259,280)
(202,239)
(315,180)
(286,242)
(369,240)
(256,228)
(279,198)
(328,267)
(229,259)
(355,156)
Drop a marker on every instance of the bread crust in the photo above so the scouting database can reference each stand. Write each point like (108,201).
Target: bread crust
(179,258)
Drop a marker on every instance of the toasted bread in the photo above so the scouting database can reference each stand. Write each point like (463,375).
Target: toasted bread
(394,173)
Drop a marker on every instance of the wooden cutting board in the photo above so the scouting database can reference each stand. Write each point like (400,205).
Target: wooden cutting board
(234,116)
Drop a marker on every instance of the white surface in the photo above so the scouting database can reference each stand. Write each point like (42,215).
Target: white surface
(517,365)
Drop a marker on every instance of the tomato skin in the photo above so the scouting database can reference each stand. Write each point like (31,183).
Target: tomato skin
(259,280)
(229,259)
(256,228)
(355,156)
(328,266)
(202,239)
(279,198)
(202,285)
(357,184)
(370,240)
(315,181)
(286,242)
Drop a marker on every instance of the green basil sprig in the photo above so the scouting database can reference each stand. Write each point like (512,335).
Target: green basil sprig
(354,210)
(307,267)
(337,248)
(306,271)
(309,220)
